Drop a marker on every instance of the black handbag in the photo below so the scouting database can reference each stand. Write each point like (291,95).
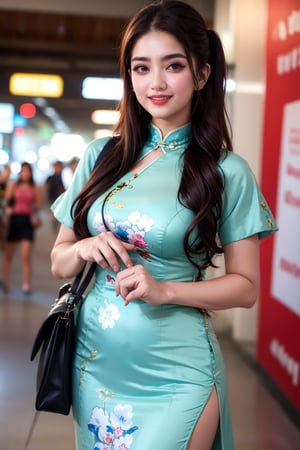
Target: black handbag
(55,340)
(55,337)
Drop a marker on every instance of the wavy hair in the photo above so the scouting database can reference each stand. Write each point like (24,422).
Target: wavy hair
(201,183)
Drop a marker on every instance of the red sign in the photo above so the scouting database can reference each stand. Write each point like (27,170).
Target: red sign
(279,317)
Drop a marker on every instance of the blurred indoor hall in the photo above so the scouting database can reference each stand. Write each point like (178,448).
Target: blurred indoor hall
(260,422)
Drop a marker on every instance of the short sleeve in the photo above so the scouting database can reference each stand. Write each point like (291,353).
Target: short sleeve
(245,211)
(62,206)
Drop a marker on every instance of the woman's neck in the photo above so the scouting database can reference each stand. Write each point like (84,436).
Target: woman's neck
(167,128)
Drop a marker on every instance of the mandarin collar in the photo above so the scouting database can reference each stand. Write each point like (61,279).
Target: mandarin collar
(175,140)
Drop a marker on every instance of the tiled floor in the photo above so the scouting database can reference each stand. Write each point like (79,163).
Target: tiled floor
(259,421)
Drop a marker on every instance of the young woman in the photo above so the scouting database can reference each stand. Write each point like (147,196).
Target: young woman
(148,372)
(4,179)
(24,200)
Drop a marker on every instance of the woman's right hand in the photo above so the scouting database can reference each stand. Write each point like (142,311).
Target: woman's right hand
(106,250)
(69,255)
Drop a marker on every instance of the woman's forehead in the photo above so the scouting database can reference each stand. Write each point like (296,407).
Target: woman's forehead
(157,43)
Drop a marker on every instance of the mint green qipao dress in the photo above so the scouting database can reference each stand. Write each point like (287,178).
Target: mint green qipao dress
(142,374)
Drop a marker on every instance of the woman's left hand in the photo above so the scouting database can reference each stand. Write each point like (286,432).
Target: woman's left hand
(135,282)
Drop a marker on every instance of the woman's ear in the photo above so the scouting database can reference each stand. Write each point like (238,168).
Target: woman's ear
(203,77)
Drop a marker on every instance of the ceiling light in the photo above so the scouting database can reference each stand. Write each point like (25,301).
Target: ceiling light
(27,110)
(36,84)
(67,146)
(105,117)
(102,133)
(7,111)
(230,85)
(102,88)
(4,157)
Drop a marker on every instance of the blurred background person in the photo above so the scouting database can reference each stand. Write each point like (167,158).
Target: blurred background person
(54,187)
(24,202)
(4,178)
(68,172)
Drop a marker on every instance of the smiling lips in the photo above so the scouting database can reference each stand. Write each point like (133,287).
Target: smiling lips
(160,99)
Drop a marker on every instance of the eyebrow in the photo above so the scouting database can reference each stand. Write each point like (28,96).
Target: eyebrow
(164,58)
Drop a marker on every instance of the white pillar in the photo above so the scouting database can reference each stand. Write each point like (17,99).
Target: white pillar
(241,26)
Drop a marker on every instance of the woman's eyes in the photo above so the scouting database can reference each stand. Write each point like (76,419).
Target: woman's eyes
(173,67)
(139,69)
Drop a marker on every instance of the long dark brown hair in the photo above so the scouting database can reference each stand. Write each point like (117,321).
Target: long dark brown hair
(201,183)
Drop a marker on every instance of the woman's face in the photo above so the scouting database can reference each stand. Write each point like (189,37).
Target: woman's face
(162,79)
(25,173)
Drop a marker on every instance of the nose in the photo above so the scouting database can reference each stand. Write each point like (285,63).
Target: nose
(158,82)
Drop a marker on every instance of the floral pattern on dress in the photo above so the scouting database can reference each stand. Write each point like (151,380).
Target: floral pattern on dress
(110,280)
(85,363)
(112,431)
(131,230)
(98,222)
(108,315)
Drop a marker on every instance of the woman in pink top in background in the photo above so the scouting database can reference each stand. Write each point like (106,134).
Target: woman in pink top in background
(24,200)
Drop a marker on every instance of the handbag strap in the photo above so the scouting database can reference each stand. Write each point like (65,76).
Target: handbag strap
(110,144)
(78,287)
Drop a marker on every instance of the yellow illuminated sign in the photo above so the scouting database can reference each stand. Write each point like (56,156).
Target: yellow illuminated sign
(34,84)
(106,117)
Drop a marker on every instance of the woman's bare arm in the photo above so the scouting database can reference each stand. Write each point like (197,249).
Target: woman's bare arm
(238,287)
